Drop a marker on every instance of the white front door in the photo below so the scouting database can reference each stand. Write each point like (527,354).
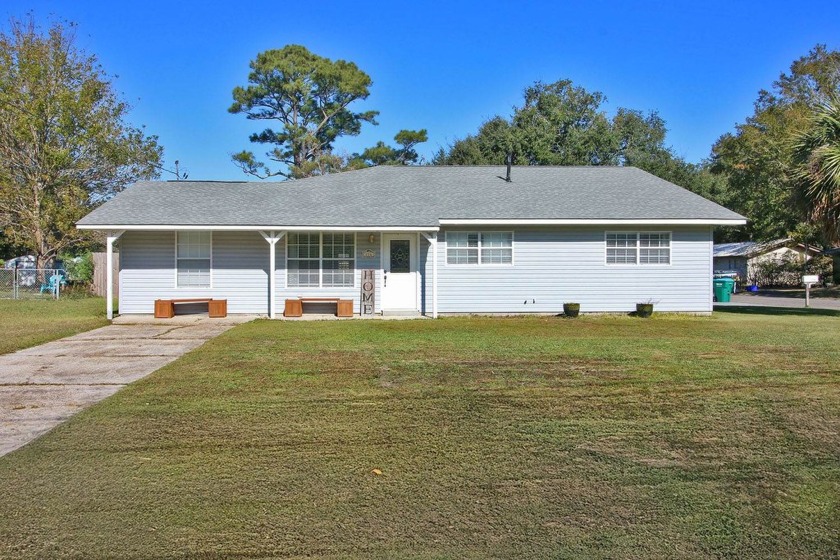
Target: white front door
(399,265)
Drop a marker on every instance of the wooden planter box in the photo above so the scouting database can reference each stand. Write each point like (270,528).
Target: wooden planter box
(164,309)
(345,308)
(294,308)
(217,308)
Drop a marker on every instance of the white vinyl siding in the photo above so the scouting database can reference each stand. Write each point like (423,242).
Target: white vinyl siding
(148,270)
(553,265)
(485,247)
(325,260)
(638,247)
(193,256)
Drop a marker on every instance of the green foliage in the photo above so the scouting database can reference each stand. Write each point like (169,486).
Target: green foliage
(787,270)
(64,145)
(79,268)
(308,95)
(564,124)
(383,154)
(816,160)
(7,248)
(757,159)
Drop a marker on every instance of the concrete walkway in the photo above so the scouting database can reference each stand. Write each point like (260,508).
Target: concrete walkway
(42,386)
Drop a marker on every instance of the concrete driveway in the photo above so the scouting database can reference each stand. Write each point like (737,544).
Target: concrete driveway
(775,299)
(42,386)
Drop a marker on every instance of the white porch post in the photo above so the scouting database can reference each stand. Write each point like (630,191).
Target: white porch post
(432,238)
(109,274)
(272,237)
(434,275)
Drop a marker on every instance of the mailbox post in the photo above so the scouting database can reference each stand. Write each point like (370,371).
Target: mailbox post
(809,279)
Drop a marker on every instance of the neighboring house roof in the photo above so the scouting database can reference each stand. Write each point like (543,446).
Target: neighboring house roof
(414,196)
(750,249)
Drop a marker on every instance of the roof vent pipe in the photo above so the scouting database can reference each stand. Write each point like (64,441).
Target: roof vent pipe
(509,161)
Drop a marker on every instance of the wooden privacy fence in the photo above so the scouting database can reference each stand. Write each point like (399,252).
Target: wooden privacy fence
(100,274)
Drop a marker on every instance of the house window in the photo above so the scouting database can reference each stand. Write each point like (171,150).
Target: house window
(491,247)
(638,248)
(317,260)
(304,258)
(193,258)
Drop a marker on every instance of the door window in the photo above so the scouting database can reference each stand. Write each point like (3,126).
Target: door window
(400,251)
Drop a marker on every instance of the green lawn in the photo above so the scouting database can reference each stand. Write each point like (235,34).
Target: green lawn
(26,323)
(507,437)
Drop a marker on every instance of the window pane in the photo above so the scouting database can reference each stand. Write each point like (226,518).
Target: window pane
(496,256)
(461,239)
(655,248)
(497,239)
(193,258)
(339,273)
(339,245)
(462,256)
(303,245)
(654,240)
(302,273)
(399,255)
(655,256)
(621,240)
(621,256)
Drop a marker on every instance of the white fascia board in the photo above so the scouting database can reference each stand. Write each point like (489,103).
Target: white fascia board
(595,222)
(254,228)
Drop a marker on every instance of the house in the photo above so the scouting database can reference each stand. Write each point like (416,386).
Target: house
(434,240)
(750,258)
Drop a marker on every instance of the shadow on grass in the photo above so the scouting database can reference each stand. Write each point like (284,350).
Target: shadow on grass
(776,311)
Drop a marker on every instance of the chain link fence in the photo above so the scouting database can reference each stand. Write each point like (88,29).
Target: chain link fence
(32,283)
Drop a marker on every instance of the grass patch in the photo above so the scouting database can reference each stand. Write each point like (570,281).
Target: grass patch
(28,323)
(507,437)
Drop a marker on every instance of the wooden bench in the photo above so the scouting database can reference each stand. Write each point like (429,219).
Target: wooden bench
(165,308)
(294,306)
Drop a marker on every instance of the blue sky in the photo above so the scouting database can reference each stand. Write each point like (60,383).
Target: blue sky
(445,66)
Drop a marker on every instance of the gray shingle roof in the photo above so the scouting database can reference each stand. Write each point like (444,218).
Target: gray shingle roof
(412,197)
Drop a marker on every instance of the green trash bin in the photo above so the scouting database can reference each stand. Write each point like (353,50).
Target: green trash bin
(723,289)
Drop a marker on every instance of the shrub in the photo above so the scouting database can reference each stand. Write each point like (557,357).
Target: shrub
(787,271)
(80,268)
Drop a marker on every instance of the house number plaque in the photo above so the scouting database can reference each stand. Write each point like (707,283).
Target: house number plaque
(368,300)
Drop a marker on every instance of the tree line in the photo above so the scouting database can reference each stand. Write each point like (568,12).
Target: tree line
(66,145)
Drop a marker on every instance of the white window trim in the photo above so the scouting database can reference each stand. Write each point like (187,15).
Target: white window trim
(638,262)
(177,287)
(321,259)
(479,263)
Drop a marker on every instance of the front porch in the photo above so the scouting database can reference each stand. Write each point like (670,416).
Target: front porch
(390,272)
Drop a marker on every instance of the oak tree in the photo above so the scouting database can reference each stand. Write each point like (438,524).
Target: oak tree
(64,143)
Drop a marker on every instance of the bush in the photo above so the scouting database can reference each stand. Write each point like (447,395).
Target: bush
(822,265)
(787,271)
(80,268)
